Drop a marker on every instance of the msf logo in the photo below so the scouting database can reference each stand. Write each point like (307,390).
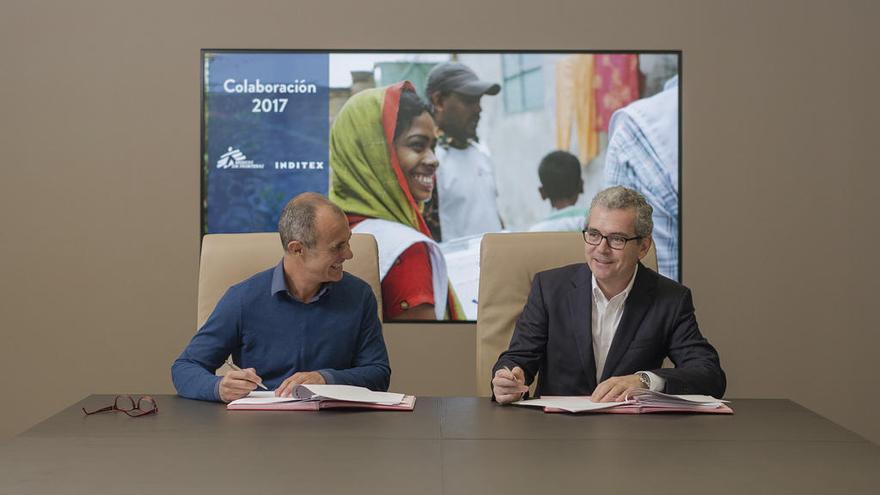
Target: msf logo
(234,158)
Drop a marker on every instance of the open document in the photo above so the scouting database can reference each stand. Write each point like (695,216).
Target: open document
(637,401)
(315,397)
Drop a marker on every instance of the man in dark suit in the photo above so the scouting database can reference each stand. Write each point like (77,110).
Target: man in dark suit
(604,327)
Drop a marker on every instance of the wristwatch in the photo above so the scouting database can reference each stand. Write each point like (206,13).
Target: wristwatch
(645,379)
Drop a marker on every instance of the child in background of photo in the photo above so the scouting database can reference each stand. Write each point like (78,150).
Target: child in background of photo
(561,183)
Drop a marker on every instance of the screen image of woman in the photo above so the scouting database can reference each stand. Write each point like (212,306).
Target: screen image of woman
(382,165)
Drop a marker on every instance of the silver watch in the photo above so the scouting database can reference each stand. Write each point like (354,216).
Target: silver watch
(645,379)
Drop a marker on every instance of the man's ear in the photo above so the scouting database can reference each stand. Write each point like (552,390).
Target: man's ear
(541,192)
(437,100)
(644,246)
(295,248)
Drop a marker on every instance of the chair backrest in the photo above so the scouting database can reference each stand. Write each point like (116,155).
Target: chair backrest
(230,258)
(508,263)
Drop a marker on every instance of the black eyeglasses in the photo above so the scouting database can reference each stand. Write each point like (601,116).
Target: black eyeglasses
(615,241)
(129,405)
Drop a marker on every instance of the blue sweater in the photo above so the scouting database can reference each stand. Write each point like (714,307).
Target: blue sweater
(262,326)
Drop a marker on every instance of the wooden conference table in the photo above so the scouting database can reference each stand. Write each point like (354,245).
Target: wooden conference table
(447,445)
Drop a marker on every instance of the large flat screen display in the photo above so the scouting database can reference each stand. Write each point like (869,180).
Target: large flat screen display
(428,151)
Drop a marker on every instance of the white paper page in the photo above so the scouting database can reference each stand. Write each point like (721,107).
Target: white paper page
(261,394)
(349,393)
(261,397)
(653,398)
(704,399)
(570,404)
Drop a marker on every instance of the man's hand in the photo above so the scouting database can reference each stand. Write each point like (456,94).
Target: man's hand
(509,385)
(614,388)
(300,378)
(237,384)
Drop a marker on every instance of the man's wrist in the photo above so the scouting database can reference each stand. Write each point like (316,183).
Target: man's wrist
(327,375)
(654,381)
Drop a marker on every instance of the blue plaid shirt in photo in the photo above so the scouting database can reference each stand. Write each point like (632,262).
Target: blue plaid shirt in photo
(632,162)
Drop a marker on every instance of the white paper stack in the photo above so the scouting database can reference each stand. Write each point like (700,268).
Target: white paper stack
(637,401)
(315,397)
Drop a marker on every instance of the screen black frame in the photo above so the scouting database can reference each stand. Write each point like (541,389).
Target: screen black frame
(202,122)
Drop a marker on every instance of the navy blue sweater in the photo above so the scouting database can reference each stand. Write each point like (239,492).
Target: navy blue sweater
(262,326)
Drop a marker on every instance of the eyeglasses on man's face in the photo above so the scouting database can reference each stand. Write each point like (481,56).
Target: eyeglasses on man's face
(129,405)
(615,241)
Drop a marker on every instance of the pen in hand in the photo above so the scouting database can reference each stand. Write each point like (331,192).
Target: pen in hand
(236,368)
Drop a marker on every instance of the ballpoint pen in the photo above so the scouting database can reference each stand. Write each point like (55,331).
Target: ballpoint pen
(236,368)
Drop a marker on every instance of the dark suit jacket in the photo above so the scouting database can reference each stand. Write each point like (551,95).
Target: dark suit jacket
(553,336)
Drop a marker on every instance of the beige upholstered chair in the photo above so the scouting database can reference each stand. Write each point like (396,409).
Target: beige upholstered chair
(416,351)
(230,258)
(508,263)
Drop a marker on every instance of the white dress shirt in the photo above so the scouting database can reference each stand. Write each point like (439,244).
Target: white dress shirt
(606,316)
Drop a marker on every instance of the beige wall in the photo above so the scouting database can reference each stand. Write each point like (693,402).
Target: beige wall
(99,134)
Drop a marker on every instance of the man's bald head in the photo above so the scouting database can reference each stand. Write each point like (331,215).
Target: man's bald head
(298,218)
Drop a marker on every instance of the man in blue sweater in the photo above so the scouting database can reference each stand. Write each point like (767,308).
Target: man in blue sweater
(304,321)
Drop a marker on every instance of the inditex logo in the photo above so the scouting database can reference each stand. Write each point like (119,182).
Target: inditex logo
(234,158)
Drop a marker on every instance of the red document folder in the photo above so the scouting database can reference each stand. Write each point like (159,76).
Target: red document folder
(408,404)
(637,401)
(638,409)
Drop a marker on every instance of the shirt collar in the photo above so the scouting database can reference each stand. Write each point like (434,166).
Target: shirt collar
(599,296)
(445,141)
(280,285)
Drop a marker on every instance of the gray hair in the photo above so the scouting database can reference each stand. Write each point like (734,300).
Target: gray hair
(297,220)
(622,198)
